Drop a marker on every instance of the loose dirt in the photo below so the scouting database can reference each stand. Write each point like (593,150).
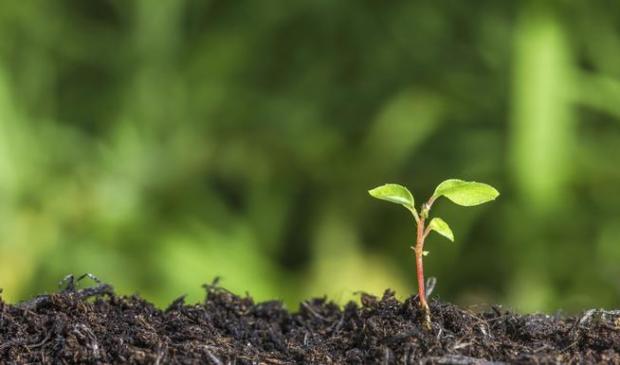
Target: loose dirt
(94,326)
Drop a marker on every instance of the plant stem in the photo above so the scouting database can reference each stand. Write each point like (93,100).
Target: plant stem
(419,253)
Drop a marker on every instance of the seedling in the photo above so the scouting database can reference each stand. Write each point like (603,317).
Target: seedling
(464,193)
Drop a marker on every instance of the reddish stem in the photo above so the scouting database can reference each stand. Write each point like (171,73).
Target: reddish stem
(419,253)
(419,245)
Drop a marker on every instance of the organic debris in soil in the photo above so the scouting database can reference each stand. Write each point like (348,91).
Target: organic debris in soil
(68,328)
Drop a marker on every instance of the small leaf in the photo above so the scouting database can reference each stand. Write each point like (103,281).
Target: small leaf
(425,253)
(394,193)
(466,193)
(440,226)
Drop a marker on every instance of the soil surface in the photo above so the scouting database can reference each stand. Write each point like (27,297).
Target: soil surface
(94,326)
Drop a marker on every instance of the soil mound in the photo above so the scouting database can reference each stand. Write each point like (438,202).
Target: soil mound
(94,326)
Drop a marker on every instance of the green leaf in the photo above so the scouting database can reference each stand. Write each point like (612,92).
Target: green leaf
(466,193)
(394,193)
(440,226)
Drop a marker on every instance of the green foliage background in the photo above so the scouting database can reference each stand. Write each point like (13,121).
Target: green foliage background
(157,144)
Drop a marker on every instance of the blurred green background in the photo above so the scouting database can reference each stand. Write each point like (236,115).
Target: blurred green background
(158,144)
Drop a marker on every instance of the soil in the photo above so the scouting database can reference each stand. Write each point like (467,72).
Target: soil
(94,326)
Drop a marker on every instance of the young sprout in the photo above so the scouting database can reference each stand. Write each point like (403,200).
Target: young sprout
(464,193)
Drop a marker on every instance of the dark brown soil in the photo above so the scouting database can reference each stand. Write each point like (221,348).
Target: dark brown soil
(93,326)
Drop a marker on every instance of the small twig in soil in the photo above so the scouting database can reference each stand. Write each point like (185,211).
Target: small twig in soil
(315,314)
(586,317)
(98,290)
(569,346)
(43,342)
(462,360)
(212,357)
(398,338)
(215,285)
(176,304)
(276,361)
(543,348)
(336,326)
(71,282)
(461,345)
